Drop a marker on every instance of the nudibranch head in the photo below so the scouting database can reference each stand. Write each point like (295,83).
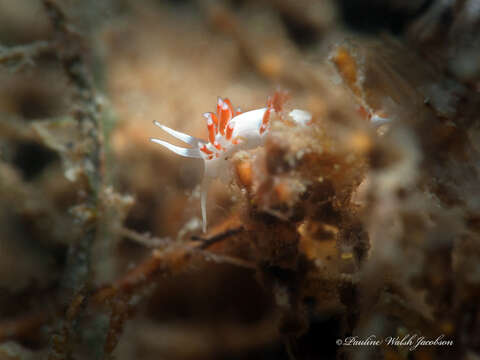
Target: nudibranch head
(229,131)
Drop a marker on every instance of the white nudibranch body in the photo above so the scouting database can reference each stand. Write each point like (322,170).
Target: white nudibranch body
(229,131)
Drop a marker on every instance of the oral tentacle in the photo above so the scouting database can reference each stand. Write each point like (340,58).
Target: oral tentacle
(179,135)
(203,203)
(185,152)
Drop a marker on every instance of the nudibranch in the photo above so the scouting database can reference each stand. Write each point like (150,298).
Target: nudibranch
(229,130)
(232,130)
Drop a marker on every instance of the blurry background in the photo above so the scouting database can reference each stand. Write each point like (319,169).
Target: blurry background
(96,222)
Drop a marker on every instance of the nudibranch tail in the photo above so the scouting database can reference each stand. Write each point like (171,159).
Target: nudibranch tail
(378,120)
